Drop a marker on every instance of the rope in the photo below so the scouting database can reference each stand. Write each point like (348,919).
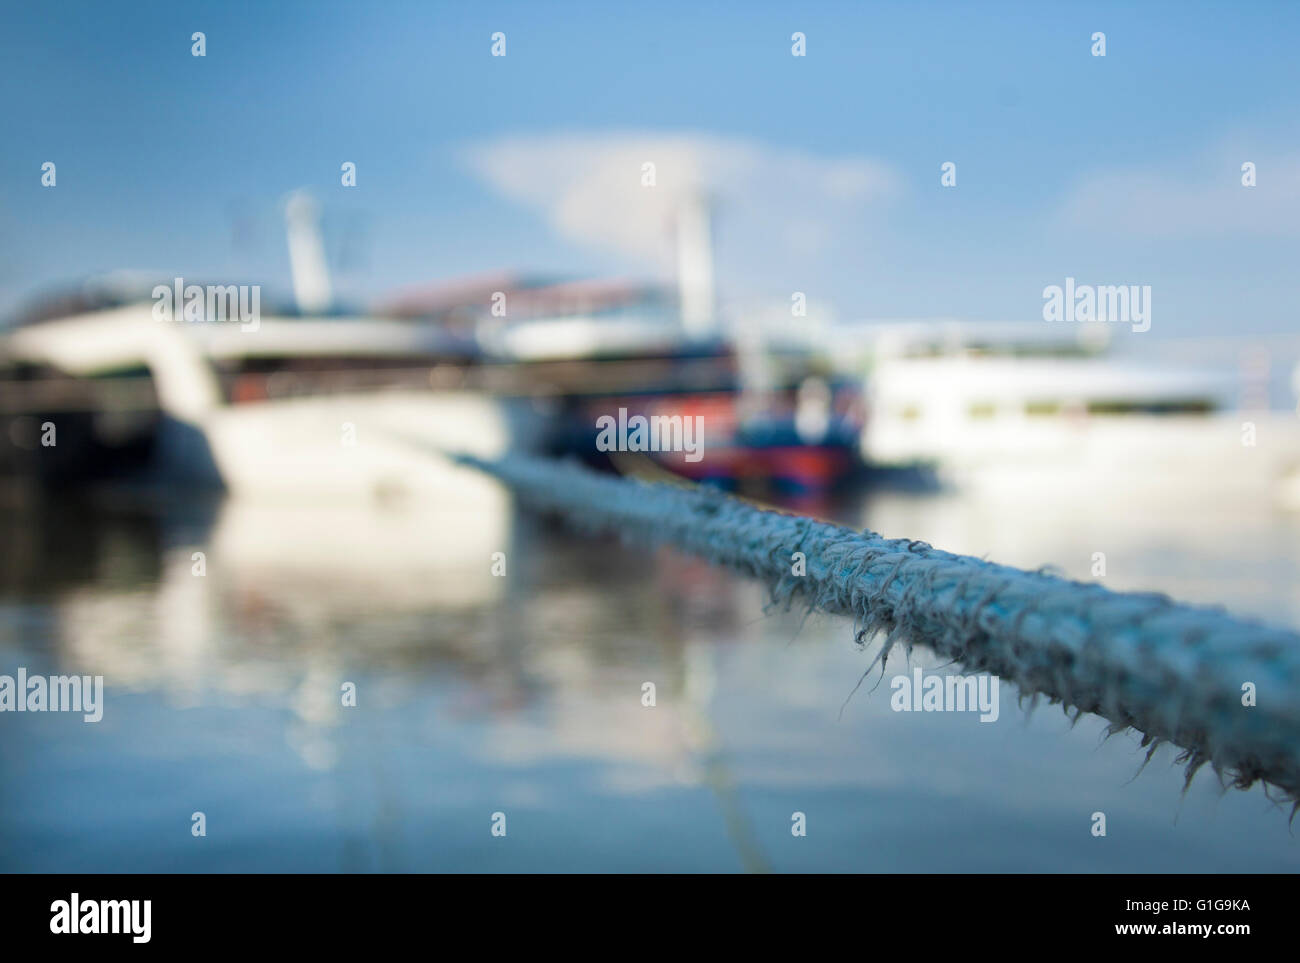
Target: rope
(1173,672)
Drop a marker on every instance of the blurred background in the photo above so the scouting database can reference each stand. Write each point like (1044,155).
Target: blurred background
(822,232)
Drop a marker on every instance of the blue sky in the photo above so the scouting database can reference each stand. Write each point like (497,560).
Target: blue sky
(1122,169)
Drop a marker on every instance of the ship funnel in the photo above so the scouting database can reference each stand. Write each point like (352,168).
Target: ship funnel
(311,280)
(695,266)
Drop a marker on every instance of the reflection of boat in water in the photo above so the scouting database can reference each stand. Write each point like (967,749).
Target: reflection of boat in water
(271,573)
(298,599)
(1016,408)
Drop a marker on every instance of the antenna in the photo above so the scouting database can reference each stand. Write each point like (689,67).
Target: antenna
(311,280)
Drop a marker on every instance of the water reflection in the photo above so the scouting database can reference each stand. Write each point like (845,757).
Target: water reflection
(524,693)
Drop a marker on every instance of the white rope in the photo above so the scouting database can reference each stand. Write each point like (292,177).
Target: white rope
(1174,672)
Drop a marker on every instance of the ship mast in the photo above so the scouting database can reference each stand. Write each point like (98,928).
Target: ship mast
(311,280)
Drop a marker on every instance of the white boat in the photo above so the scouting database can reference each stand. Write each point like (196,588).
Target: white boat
(314,426)
(291,406)
(1014,409)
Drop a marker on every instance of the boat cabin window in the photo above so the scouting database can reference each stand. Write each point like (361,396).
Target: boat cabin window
(1176,407)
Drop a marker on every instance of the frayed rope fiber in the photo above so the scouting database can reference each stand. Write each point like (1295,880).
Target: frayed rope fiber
(1174,672)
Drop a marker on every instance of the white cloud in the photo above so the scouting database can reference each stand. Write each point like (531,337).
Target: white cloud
(775,202)
(1150,204)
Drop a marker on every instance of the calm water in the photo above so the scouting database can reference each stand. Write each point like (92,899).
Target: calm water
(522,695)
